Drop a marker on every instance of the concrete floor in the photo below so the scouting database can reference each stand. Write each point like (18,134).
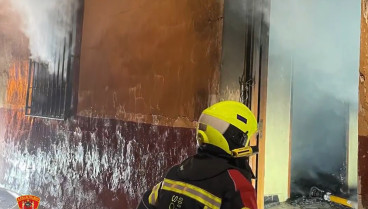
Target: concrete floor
(7,200)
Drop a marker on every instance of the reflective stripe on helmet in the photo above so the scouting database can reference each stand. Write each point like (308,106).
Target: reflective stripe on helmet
(193,192)
(216,123)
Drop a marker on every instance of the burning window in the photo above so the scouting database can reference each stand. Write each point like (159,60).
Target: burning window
(53,65)
(49,92)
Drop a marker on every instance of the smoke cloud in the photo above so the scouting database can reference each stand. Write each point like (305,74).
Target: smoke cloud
(324,35)
(47,23)
(318,42)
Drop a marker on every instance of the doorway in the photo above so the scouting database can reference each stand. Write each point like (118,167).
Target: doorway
(312,96)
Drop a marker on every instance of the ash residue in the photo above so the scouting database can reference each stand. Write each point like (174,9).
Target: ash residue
(325,181)
(307,202)
(300,197)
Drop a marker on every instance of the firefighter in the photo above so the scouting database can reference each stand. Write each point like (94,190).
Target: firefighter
(217,177)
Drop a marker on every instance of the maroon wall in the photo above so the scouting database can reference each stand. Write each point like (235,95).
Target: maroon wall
(102,162)
(363,169)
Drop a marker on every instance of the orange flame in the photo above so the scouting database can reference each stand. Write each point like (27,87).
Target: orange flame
(17,85)
(15,100)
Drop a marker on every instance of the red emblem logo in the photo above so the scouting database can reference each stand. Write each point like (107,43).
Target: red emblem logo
(28,202)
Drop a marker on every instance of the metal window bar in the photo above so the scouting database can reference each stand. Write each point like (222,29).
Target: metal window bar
(49,89)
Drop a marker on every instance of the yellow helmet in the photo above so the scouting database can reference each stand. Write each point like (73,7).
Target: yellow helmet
(227,125)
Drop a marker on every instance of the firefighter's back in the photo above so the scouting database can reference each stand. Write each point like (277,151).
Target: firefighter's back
(203,182)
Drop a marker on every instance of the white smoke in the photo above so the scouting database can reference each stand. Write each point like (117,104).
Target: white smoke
(46,23)
(316,44)
(325,38)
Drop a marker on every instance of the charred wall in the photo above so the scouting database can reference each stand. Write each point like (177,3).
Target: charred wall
(146,66)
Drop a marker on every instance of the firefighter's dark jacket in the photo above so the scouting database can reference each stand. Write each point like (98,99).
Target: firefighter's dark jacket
(206,180)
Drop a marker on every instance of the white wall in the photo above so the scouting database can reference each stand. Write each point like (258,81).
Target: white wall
(353,148)
(278,126)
